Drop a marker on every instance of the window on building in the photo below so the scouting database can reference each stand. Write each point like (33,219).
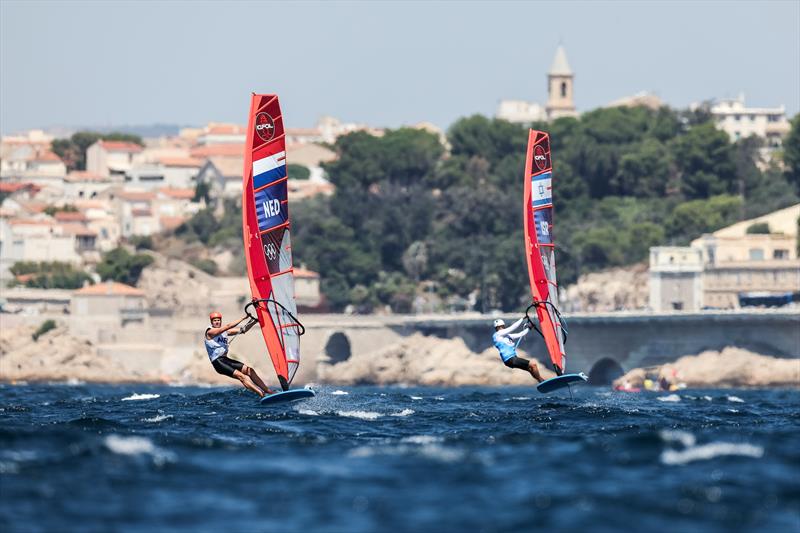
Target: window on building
(737,117)
(677,306)
(756,254)
(737,134)
(563,89)
(780,254)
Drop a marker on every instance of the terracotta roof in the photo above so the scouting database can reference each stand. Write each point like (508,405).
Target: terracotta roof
(79,230)
(34,206)
(304,273)
(182,194)
(136,196)
(69,216)
(170,223)
(228,166)
(46,155)
(109,288)
(14,187)
(142,212)
(181,162)
(232,149)
(225,129)
(120,146)
(30,222)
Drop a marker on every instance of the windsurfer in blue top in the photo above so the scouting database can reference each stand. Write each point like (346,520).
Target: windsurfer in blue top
(506,343)
(216,341)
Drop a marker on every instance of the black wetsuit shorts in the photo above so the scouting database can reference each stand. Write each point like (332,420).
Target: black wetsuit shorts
(225,365)
(518,362)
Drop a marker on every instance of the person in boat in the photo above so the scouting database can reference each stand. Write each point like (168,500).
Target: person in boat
(216,341)
(505,340)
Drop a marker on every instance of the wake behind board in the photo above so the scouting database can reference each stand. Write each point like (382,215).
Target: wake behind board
(559,382)
(287,396)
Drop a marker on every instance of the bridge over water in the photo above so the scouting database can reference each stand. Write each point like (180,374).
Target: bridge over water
(602,344)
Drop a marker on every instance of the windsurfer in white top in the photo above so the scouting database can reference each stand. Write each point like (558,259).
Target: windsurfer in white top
(216,342)
(506,343)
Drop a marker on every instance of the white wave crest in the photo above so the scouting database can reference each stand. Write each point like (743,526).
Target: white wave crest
(129,445)
(733,410)
(710,451)
(421,439)
(707,398)
(670,398)
(157,418)
(676,435)
(404,412)
(735,399)
(134,445)
(440,398)
(415,397)
(308,412)
(135,396)
(363,415)
(339,393)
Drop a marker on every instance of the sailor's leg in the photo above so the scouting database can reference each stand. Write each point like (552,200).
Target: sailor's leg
(251,373)
(534,370)
(247,382)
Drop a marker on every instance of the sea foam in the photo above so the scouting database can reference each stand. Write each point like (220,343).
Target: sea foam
(135,396)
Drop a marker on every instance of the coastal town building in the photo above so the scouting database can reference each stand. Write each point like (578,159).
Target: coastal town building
(35,239)
(640,99)
(729,264)
(560,96)
(174,172)
(676,278)
(306,288)
(111,158)
(83,184)
(739,121)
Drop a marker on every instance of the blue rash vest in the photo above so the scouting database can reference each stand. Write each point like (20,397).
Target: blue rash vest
(504,340)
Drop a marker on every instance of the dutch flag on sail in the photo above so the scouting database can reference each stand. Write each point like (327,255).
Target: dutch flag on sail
(269,169)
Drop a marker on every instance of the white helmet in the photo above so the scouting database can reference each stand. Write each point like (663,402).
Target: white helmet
(499,323)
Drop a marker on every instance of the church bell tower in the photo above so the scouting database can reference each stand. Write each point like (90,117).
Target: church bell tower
(559,88)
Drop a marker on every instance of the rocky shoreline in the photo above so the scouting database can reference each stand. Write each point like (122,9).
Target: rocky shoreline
(417,359)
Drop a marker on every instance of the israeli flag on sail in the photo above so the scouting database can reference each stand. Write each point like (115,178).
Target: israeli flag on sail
(269,169)
(542,189)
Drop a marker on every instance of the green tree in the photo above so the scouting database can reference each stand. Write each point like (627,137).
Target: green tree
(759,228)
(298,172)
(791,154)
(690,220)
(73,150)
(122,266)
(705,162)
(45,326)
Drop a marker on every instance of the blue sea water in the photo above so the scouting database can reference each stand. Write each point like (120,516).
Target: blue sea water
(156,458)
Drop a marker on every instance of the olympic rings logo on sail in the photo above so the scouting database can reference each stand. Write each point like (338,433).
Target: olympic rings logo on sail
(270,251)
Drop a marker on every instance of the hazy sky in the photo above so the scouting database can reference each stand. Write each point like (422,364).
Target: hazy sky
(383,63)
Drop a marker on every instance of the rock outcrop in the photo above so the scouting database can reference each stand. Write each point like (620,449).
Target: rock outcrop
(421,360)
(732,367)
(610,290)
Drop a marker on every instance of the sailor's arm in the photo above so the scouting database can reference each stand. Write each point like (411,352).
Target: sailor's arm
(231,328)
(511,328)
(525,330)
(244,329)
